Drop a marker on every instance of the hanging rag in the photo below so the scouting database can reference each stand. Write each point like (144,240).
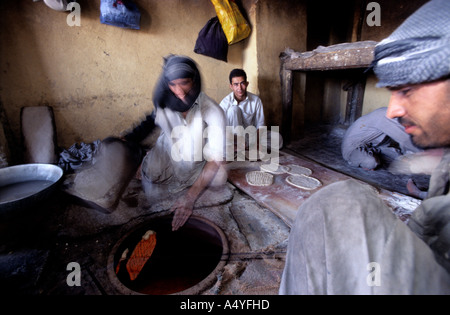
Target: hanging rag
(212,41)
(121,13)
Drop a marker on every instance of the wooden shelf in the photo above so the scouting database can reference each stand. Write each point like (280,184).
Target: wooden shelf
(357,55)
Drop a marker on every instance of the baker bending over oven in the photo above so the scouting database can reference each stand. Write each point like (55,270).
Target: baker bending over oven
(189,153)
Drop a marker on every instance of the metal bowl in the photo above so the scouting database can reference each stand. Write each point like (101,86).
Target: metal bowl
(26,185)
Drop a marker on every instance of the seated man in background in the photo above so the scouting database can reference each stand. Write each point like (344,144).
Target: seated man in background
(345,239)
(245,109)
(374,140)
(241,107)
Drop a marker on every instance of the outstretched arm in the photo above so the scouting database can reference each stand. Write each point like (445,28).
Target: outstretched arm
(184,206)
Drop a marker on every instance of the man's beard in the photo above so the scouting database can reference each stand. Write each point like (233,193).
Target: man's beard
(427,139)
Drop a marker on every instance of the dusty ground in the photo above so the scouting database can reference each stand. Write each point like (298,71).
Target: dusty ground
(35,256)
(39,245)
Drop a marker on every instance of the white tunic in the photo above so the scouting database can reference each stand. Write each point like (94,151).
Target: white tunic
(185,145)
(249,112)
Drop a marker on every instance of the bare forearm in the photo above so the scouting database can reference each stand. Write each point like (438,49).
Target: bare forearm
(203,181)
(184,206)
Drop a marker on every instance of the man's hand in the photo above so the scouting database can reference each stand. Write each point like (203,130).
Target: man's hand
(184,205)
(183,210)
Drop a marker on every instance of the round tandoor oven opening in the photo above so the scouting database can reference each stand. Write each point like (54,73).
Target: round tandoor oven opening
(185,261)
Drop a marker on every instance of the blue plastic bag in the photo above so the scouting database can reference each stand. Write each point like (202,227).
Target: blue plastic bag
(121,13)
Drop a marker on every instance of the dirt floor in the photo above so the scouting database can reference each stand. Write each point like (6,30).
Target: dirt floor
(40,246)
(35,257)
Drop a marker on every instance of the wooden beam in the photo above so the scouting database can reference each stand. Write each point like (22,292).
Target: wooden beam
(355,98)
(286,90)
(336,57)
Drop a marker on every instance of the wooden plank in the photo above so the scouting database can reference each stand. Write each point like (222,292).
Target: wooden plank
(355,99)
(286,89)
(332,58)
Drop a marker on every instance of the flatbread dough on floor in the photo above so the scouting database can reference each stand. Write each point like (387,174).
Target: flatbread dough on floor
(274,168)
(295,169)
(259,178)
(303,182)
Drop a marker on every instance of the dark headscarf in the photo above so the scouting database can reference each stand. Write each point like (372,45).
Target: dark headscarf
(177,67)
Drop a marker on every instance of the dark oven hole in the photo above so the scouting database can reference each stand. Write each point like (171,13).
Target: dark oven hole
(183,262)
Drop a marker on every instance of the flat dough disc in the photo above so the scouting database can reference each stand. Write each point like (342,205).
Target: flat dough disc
(259,178)
(274,168)
(295,169)
(303,182)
